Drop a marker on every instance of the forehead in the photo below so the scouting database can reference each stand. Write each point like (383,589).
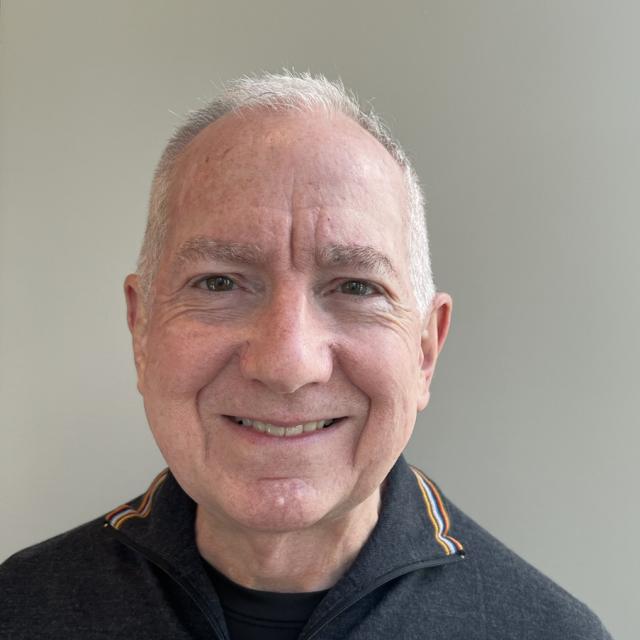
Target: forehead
(250,168)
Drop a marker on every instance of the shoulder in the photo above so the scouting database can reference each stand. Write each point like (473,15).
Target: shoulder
(65,583)
(516,597)
(65,562)
(78,551)
(61,555)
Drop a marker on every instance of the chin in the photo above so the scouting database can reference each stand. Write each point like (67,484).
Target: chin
(279,505)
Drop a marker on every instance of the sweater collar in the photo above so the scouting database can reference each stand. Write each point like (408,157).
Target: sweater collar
(413,529)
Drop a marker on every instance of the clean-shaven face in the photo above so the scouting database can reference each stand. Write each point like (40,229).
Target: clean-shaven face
(280,361)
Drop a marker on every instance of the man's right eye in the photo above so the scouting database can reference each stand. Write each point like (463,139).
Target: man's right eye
(216,283)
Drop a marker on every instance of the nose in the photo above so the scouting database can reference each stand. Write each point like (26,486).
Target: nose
(287,346)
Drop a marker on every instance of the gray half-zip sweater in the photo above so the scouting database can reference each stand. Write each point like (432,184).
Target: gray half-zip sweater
(427,572)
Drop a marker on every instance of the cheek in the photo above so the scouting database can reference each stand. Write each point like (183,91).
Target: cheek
(186,358)
(383,362)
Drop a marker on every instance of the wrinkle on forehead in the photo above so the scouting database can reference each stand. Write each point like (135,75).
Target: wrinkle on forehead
(279,159)
(310,180)
(352,255)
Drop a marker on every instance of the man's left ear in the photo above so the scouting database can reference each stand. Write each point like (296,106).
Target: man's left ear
(434,334)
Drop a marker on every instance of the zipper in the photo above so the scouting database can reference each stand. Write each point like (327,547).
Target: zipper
(164,566)
(387,577)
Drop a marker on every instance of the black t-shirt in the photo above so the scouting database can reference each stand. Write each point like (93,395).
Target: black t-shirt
(263,615)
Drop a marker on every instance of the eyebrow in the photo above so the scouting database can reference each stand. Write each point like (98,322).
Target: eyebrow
(361,257)
(202,248)
(357,256)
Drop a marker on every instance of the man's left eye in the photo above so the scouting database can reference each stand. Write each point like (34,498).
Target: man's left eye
(357,288)
(217,283)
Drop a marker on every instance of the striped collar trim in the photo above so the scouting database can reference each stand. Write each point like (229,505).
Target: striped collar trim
(121,514)
(433,502)
(437,514)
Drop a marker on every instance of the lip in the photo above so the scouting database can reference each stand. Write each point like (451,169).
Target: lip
(251,436)
(289,422)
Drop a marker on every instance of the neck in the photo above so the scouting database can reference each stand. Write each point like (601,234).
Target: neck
(309,559)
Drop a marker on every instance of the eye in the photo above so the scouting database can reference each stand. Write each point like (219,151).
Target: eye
(216,283)
(357,288)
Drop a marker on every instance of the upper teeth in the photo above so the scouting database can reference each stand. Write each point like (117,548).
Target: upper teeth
(273,430)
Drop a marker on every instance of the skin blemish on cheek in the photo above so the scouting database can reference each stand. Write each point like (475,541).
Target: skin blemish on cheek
(223,155)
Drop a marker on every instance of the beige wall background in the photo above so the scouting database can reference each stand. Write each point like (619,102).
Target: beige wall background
(523,120)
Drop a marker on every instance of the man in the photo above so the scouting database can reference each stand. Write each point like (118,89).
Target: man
(285,333)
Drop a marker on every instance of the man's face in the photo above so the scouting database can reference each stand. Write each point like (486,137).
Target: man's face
(283,297)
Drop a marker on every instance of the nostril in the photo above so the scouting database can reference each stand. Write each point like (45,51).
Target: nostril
(284,370)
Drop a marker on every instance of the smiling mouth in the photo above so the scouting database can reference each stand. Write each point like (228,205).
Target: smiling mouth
(282,432)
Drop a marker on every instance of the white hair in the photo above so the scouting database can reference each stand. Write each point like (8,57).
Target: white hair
(286,91)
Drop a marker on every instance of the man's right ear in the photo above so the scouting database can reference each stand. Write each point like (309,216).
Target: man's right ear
(137,321)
